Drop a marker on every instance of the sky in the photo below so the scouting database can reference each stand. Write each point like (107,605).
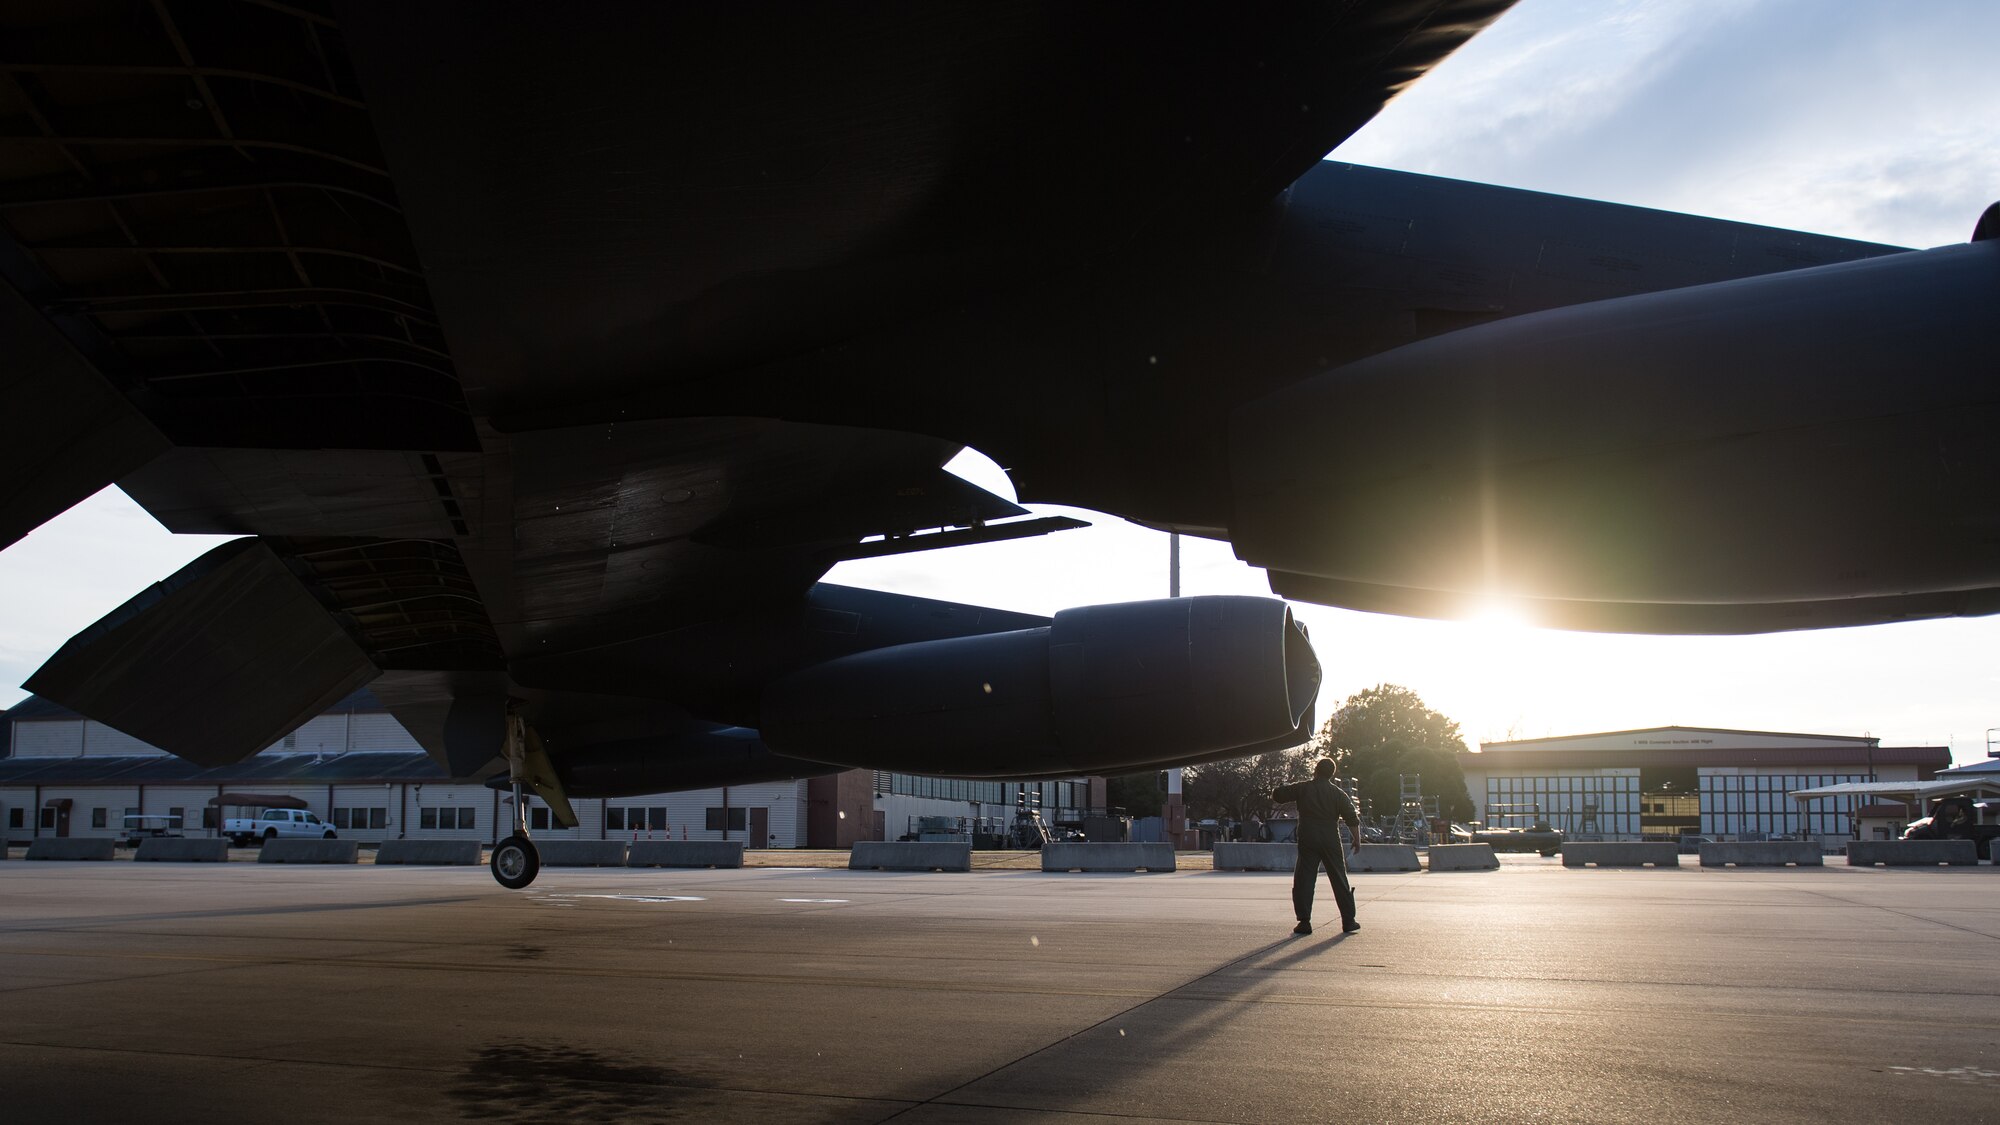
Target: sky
(1869,119)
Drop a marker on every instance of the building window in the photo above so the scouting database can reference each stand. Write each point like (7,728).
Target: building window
(178,813)
(949,789)
(48,818)
(97,818)
(735,823)
(449,818)
(292,741)
(360,818)
(538,818)
(208,817)
(638,820)
(16,819)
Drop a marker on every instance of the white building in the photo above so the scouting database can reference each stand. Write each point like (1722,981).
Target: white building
(1667,782)
(360,771)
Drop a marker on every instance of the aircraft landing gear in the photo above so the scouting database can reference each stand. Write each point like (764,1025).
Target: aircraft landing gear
(516,861)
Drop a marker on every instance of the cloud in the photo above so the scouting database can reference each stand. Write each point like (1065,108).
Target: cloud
(1881,124)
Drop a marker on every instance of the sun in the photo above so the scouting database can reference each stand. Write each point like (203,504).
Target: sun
(1506,656)
(1500,620)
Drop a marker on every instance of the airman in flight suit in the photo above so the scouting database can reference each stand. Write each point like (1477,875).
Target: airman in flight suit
(1322,806)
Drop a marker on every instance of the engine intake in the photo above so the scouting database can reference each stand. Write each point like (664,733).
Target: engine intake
(1102,688)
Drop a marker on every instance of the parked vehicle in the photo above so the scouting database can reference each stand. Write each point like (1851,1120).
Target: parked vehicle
(273,824)
(1955,818)
(1539,837)
(147,826)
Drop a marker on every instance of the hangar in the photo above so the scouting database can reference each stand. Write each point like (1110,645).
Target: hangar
(357,768)
(1669,782)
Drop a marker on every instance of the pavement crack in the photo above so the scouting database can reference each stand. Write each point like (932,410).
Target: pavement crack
(1903,914)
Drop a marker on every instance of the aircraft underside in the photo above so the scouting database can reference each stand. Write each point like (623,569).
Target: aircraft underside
(547,359)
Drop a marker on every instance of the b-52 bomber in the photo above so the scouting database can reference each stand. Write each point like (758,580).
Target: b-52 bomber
(545,356)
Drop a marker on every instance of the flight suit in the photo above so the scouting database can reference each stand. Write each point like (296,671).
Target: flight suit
(1322,806)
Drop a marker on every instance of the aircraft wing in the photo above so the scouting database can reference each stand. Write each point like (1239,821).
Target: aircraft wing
(345,277)
(552,353)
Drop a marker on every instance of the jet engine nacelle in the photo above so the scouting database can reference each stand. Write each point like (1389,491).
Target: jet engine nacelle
(1101,689)
(1795,450)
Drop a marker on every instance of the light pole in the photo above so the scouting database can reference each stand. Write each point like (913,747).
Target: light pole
(1174,815)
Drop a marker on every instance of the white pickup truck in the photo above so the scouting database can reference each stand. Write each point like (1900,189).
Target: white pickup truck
(272,824)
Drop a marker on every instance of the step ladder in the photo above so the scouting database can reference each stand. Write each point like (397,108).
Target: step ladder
(1410,812)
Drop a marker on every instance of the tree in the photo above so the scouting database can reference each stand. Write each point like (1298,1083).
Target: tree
(1388,730)
(1139,794)
(1238,787)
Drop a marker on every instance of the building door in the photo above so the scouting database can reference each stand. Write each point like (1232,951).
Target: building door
(760,828)
(62,818)
(1669,802)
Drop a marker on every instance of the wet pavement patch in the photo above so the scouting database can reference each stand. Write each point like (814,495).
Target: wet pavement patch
(529,1083)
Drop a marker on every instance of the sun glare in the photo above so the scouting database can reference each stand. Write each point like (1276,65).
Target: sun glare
(1505,654)
(1498,618)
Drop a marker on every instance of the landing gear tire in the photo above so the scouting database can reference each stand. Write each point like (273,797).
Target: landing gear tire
(515,862)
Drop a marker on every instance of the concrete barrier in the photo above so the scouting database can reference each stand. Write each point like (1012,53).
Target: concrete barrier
(1761,853)
(1464,857)
(440,853)
(309,851)
(1249,856)
(71,847)
(1108,857)
(182,849)
(685,853)
(1912,853)
(1621,853)
(1384,857)
(909,855)
(581,853)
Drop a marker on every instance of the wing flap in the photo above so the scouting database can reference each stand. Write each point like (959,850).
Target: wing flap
(213,664)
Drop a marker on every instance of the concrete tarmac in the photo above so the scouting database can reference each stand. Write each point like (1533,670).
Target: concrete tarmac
(142,993)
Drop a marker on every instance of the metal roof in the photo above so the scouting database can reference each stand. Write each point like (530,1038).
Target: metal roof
(1907,790)
(1990,766)
(1800,757)
(264,769)
(1857,739)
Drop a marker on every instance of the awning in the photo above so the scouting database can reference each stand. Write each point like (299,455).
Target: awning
(1908,792)
(259,800)
(56,803)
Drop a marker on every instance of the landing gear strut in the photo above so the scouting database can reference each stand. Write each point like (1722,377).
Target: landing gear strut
(516,861)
